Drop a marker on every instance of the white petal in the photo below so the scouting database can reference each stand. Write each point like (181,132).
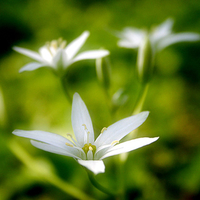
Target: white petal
(91,55)
(29,53)
(118,130)
(76,44)
(101,151)
(162,30)
(90,155)
(42,136)
(46,54)
(129,146)
(32,66)
(130,37)
(60,59)
(175,38)
(128,44)
(96,166)
(81,120)
(53,149)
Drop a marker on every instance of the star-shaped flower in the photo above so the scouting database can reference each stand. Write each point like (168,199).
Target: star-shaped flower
(87,151)
(160,37)
(57,56)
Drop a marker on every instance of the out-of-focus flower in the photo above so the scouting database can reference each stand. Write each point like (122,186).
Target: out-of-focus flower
(160,37)
(57,56)
(87,151)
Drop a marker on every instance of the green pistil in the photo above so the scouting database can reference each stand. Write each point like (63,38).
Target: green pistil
(87,146)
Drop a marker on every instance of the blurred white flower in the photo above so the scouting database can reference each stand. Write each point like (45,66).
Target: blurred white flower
(87,151)
(58,56)
(160,37)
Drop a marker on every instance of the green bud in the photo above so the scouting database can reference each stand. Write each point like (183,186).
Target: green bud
(2,109)
(120,97)
(145,60)
(103,70)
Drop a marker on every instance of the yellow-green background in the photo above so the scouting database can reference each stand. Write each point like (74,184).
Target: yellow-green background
(169,169)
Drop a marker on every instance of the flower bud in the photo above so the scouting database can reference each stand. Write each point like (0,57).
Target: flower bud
(120,97)
(103,70)
(145,60)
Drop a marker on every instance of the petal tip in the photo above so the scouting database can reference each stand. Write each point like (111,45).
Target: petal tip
(76,96)
(156,138)
(144,114)
(86,33)
(16,132)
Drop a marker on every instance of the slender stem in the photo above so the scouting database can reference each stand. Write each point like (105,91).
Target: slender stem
(99,186)
(44,171)
(121,172)
(137,109)
(141,99)
(64,86)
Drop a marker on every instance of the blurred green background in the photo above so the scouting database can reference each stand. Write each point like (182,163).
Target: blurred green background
(169,169)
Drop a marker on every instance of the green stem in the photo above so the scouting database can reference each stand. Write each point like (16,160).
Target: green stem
(141,98)
(64,86)
(99,186)
(121,172)
(44,171)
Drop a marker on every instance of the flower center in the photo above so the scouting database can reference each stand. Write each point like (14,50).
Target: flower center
(54,45)
(88,147)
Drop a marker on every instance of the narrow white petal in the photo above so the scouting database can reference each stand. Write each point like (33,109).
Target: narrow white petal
(118,130)
(130,37)
(53,149)
(101,151)
(175,38)
(96,166)
(29,53)
(90,155)
(60,60)
(46,54)
(57,59)
(65,59)
(76,44)
(81,121)
(162,30)
(132,34)
(32,66)
(129,146)
(91,55)
(128,44)
(42,136)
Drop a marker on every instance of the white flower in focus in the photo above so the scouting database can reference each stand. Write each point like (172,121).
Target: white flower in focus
(58,56)
(161,36)
(87,151)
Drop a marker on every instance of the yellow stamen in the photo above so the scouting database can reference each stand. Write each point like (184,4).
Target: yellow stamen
(69,135)
(70,145)
(54,44)
(114,142)
(88,137)
(84,126)
(103,129)
(63,44)
(60,40)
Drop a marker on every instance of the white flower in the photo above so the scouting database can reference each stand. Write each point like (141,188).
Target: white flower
(161,37)
(58,57)
(87,151)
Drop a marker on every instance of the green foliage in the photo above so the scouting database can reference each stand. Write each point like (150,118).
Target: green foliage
(169,169)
